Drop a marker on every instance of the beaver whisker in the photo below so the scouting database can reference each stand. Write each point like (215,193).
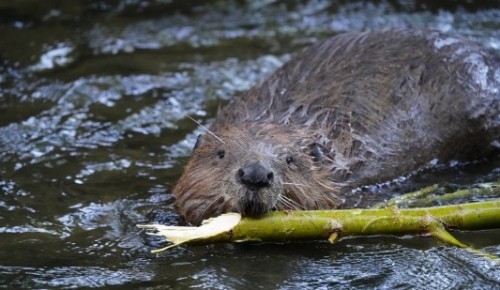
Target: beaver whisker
(297,184)
(206,129)
(288,203)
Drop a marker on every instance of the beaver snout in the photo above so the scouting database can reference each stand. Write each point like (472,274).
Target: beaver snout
(255,176)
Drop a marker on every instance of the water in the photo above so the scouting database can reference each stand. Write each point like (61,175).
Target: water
(93,96)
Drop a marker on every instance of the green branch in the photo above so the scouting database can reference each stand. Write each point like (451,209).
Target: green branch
(433,194)
(333,224)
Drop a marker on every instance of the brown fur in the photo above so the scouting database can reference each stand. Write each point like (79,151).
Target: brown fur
(356,109)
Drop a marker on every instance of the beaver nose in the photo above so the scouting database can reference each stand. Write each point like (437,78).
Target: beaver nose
(255,176)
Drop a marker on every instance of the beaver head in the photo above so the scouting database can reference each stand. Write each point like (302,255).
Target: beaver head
(253,169)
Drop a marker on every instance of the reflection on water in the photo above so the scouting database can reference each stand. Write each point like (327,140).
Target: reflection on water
(93,96)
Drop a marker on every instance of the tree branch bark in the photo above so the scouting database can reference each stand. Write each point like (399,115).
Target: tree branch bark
(334,224)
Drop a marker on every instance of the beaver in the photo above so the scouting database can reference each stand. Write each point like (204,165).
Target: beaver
(357,109)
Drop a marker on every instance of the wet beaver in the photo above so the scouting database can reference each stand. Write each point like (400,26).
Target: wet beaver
(356,109)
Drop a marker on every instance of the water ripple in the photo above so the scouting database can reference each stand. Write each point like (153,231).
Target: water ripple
(395,267)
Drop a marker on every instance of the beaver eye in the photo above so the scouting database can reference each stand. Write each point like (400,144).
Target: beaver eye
(289,160)
(221,153)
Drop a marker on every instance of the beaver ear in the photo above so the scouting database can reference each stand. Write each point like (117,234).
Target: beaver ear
(198,142)
(316,151)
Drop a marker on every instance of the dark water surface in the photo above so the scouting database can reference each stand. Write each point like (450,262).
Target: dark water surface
(93,134)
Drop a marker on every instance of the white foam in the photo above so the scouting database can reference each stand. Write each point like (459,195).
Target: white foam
(56,57)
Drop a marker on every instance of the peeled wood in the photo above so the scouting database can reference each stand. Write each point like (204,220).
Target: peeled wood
(331,224)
